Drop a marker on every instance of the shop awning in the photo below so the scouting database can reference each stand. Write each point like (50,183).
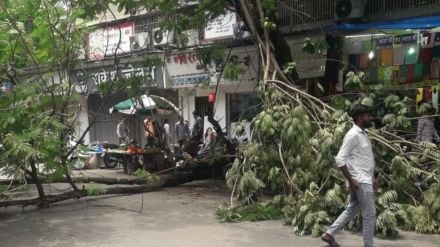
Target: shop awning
(409,23)
(143,104)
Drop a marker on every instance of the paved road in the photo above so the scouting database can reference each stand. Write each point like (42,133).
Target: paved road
(182,216)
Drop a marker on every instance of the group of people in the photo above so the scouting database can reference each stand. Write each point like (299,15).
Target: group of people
(151,131)
(155,135)
(183,133)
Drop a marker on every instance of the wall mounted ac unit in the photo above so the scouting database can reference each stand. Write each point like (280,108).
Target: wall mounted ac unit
(140,41)
(349,9)
(163,38)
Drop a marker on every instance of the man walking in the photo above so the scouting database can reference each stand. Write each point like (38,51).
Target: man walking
(356,161)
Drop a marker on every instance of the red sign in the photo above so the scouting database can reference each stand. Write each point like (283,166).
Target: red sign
(211,97)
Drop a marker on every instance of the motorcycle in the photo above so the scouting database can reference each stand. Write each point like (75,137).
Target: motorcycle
(125,155)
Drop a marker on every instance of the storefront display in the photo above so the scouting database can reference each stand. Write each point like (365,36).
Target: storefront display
(396,59)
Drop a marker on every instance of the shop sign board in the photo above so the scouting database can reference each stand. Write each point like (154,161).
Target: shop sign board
(109,41)
(185,69)
(88,80)
(386,41)
(247,63)
(405,39)
(222,27)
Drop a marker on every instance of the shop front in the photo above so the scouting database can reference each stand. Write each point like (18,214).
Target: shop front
(400,55)
(200,89)
(96,105)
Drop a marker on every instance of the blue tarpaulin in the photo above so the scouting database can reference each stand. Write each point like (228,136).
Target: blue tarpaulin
(410,23)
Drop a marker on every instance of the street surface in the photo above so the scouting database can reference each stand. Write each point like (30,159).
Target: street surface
(179,216)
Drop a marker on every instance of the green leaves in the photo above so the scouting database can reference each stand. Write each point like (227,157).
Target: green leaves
(354,81)
(309,46)
(255,212)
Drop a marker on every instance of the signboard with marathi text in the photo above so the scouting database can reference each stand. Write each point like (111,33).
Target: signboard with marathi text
(111,40)
(88,80)
(185,69)
(222,27)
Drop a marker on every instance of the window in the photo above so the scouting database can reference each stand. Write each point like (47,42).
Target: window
(243,106)
(202,105)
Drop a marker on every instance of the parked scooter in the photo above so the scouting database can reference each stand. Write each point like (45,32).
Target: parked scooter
(82,152)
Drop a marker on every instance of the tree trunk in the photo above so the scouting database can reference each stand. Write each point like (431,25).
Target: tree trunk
(167,180)
(281,49)
(42,197)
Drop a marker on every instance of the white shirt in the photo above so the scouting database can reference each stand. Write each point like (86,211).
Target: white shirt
(357,154)
(166,128)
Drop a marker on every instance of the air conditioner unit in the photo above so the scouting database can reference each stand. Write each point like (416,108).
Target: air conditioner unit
(349,9)
(162,38)
(140,41)
(190,38)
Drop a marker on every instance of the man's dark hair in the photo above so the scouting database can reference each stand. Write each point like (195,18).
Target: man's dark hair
(165,121)
(195,113)
(358,110)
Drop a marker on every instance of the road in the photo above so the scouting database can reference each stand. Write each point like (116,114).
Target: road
(180,216)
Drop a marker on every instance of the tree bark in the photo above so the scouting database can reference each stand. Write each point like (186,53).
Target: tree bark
(166,180)
(281,52)
(42,197)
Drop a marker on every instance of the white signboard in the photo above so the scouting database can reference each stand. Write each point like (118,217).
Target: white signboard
(110,40)
(247,64)
(184,69)
(88,81)
(221,27)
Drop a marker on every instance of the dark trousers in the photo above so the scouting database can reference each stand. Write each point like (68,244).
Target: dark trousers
(181,143)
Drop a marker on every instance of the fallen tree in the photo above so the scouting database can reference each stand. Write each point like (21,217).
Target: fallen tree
(293,145)
(140,185)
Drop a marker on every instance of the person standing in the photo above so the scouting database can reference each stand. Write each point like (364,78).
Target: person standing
(197,131)
(182,133)
(122,131)
(426,131)
(166,134)
(151,131)
(356,161)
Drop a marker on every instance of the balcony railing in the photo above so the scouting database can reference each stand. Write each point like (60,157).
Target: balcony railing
(394,9)
(298,15)
(386,6)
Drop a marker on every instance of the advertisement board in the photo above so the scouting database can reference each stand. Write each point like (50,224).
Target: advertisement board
(109,40)
(87,80)
(185,69)
(221,27)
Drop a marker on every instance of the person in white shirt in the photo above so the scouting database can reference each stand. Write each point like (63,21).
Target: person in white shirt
(356,161)
(122,132)
(167,134)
